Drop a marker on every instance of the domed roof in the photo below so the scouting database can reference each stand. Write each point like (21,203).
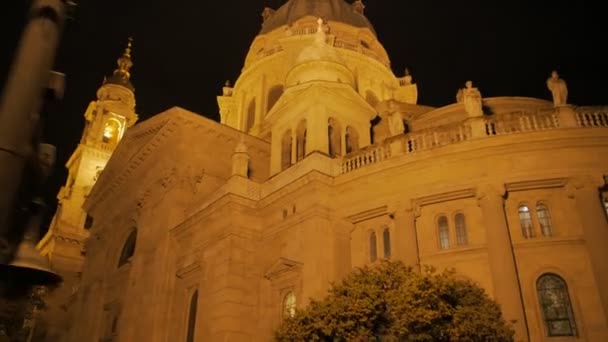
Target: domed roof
(329,10)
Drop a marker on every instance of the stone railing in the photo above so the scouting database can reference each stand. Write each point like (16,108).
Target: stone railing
(477,128)
(592,116)
(516,122)
(366,156)
(435,137)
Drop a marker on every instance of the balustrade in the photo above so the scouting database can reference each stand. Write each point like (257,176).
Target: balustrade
(498,124)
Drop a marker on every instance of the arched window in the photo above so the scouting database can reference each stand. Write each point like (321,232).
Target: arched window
(286,150)
(111,131)
(334,137)
(386,239)
(301,141)
(351,139)
(250,116)
(525,220)
(289,305)
(544,218)
(128,249)
(461,230)
(373,253)
(555,305)
(273,96)
(444,232)
(192,317)
(88,222)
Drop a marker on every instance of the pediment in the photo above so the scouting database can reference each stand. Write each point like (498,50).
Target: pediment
(281,266)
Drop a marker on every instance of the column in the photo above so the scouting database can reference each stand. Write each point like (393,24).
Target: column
(502,261)
(406,236)
(595,231)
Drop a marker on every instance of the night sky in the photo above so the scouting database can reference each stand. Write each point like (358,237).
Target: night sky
(184,50)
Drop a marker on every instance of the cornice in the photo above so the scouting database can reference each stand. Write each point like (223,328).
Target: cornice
(536,184)
(186,271)
(368,214)
(445,197)
(282,265)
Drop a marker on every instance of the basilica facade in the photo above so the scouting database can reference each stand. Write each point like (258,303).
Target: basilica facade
(323,162)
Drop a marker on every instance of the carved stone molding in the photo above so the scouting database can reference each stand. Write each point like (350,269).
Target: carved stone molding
(536,184)
(185,271)
(444,197)
(281,266)
(368,214)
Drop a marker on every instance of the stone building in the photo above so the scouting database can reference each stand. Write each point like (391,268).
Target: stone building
(323,162)
(106,121)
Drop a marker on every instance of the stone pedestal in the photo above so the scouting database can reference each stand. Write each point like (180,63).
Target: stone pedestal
(502,262)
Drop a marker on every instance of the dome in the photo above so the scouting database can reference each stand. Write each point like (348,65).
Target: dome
(329,10)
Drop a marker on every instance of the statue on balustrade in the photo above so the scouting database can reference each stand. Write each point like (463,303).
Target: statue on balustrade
(558,89)
(407,91)
(471,98)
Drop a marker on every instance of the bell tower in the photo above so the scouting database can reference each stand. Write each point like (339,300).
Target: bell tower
(106,121)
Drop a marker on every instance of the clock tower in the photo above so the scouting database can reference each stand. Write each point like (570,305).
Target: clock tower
(106,121)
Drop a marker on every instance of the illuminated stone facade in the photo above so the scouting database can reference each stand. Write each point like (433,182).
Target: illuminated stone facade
(207,231)
(106,121)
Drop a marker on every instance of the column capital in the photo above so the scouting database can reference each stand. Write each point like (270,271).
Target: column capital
(592,181)
(490,191)
(411,206)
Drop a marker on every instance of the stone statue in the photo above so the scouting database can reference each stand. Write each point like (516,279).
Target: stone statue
(471,97)
(358,6)
(558,89)
(407,91)
(267,13)
(407,79)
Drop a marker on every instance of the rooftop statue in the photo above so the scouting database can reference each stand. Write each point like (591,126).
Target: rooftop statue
(471,97)
(558,89)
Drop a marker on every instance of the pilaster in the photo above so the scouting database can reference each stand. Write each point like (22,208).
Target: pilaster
(507,290)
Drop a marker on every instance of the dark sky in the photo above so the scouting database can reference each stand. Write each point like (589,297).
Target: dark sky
(184,50)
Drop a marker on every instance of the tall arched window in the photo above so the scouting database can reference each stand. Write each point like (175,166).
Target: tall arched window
(301,141)
(128,249)
(286,150)
(544,218)
(525,220)
(444,232)
(111,131)
(334,138)
(289,305)
(273,96)
(556,306)
(373,252)
(386,240)
(351,138)
(461,230)
(250,116)
(192,317)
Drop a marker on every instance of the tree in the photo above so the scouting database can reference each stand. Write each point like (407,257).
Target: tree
(391,302)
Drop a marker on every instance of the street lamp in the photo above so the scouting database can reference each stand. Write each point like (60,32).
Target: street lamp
(19,119)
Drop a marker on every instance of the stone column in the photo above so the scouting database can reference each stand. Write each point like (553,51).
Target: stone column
(595,230)
(406,236)
(502,261)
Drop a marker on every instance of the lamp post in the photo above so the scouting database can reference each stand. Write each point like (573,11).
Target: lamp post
(20,104)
